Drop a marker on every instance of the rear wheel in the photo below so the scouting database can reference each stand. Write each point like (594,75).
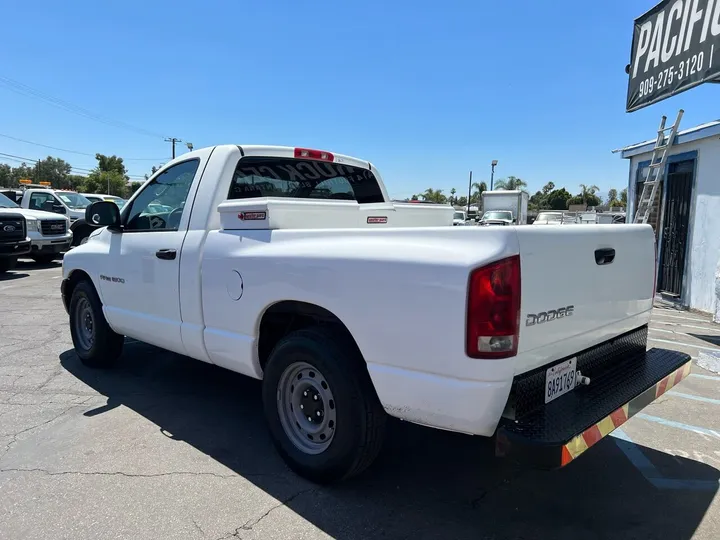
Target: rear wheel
(324,416)
(7,264)
(95,343)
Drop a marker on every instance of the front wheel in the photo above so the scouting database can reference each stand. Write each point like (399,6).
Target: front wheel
(95,342)
(322,411)
(81,235)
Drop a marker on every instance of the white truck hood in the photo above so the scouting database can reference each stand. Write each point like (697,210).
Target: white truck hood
(38,214)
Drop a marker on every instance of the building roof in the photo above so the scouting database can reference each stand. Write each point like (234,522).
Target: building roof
(703,131)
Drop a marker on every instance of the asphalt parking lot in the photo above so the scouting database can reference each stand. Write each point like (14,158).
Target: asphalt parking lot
(167,447)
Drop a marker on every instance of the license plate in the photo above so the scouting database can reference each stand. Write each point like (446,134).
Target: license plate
(560,379)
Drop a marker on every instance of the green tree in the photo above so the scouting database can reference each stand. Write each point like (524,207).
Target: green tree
(623,197)
(6,176)
(109,177)
(587,193)
(612,195)
(537,201)
(415,198)
(462,201)
(558,199)
(453,191)
(23,171)
(53,170)
(435,196)
(77,182)
(478,189)
(511,183)
(111,163)
(547,188)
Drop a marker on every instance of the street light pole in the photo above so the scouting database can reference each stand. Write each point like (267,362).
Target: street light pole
(492,172)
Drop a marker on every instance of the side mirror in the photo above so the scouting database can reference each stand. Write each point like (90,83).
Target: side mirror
(103,214)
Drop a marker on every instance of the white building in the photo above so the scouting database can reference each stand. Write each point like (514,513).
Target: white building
(686,216)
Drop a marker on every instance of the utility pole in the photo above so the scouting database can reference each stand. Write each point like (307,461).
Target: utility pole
(173,140)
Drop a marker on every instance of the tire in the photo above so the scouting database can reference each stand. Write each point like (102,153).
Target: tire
(97,346)
(352,415)
(7,264)
(44,259)
(81,234)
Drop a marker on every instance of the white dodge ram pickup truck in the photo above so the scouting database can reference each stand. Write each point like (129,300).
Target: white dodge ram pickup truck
(293,266)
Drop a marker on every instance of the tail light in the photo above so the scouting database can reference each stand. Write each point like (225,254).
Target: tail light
(493,310)
(313,154)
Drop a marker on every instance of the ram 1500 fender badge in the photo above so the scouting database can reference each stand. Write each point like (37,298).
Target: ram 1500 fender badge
(112,279)
(377,219)
(550,315)
(252,216)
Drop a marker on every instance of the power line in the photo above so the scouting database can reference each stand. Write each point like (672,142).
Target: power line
(74,151)
(25,90)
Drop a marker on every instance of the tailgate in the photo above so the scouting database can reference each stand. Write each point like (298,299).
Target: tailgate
(581,286)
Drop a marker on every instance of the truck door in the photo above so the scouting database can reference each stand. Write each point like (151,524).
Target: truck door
(140,280)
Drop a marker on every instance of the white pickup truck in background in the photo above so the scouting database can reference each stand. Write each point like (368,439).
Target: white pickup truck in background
(58,201)
(293,266)
(49,233)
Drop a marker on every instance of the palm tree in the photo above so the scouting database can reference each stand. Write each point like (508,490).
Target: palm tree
(586,190)
(511,183)
(478,188)
(435,196)
(453,191)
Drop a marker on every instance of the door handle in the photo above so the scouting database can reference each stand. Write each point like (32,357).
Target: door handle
(604,256)
(166,254)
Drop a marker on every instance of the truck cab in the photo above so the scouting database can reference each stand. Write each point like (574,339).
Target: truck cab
(504,207)
(68,203)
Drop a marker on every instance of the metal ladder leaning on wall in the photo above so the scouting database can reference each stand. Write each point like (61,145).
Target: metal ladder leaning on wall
(656,169)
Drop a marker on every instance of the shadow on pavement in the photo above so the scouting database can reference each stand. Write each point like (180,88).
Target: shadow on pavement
(711,339)
(425,484)
(9,276)
(29,264)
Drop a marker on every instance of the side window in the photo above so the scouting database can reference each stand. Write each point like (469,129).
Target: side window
(160,204)
(41,201)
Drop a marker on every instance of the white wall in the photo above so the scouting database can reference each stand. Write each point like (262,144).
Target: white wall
(704,234)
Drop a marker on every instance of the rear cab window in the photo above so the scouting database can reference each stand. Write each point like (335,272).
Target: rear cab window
(256,176)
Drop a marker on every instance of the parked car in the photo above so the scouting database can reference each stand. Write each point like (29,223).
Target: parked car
(330,303)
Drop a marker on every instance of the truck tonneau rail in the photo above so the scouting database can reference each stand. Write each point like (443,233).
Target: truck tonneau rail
(552,435)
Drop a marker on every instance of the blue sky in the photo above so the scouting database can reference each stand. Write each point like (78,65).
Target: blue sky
(425,90)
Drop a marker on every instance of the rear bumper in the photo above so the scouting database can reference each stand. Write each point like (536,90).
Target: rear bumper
(553,435)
